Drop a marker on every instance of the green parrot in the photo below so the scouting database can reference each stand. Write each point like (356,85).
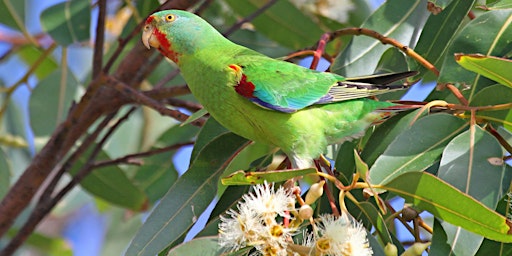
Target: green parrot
(299,110)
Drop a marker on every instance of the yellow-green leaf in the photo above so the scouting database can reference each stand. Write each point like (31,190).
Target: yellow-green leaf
(497,69)
(250,178)
(431,194)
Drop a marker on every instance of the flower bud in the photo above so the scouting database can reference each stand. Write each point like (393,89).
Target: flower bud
(305,212)
(416,249)
(390,250)
(315,191)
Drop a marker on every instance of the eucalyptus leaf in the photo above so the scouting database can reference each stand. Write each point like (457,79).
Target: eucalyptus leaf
(416,148)
(12,13)
(465,165)
(362,54)
(50,101)
(494,68)
(68,22)
(190,194)
(111,184)
(275,23)
(30,54)
(489,34)
(438,31)
(431,194)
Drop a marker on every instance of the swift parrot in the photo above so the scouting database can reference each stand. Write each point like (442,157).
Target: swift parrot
(266,100)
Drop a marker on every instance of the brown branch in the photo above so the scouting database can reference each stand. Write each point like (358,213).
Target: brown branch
(384,40)
(140,98)
(456,92)
(96,102)
(46,203)
(190,105)
(500,138)
(129,158)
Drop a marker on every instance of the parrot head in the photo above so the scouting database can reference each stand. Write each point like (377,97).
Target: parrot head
(176,33)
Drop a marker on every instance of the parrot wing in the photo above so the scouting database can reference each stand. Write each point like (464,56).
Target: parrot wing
(286,87)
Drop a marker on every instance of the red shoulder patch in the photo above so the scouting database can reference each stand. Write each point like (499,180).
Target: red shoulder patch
(245,88)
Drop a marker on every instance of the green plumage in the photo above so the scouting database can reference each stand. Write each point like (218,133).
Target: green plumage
(266,100)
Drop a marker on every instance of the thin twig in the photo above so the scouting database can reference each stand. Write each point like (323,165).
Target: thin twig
(385,40)
(144,100)
(252,16)
(128,158)
(455,91)
(47,204)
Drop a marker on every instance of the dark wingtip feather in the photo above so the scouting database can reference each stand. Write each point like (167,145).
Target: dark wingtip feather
(383,79)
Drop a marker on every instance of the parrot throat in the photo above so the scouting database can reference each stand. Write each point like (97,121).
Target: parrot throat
(165,46)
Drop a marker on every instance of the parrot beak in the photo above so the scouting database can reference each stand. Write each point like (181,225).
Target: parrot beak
(147,37)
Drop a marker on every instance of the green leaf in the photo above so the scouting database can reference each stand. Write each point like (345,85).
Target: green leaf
(490,247)
(210,130)
(12,13)
(157,174)
(439,245)
(494,68)
(196,115)
(344,161)
(205,246)
(50,101)
(466,165)
(361,166)
(276,22)
(46,245)
(489,34)
(437,33)
(396,19)
(378,222)
(500,4)
(111,184)
(494,95)
(436,6)
(384,134)
(68,22)
(30,54)
(251,178)
(431,194)
(191,194)
(416,148)
(5,174)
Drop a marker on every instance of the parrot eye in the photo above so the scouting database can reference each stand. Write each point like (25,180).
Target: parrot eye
(170,17)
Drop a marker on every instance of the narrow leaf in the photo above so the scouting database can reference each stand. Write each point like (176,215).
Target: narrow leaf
(191,194)
(12,13)
(5,174)
(416,148)
(50,101)
(494,68)
(362,54)
(465,165)
(198,114)
(112,185)
(68,22)
(431,194)
(276,22)
(438,31)
(30,54)
(205,246)
(251,178)
(489,34)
